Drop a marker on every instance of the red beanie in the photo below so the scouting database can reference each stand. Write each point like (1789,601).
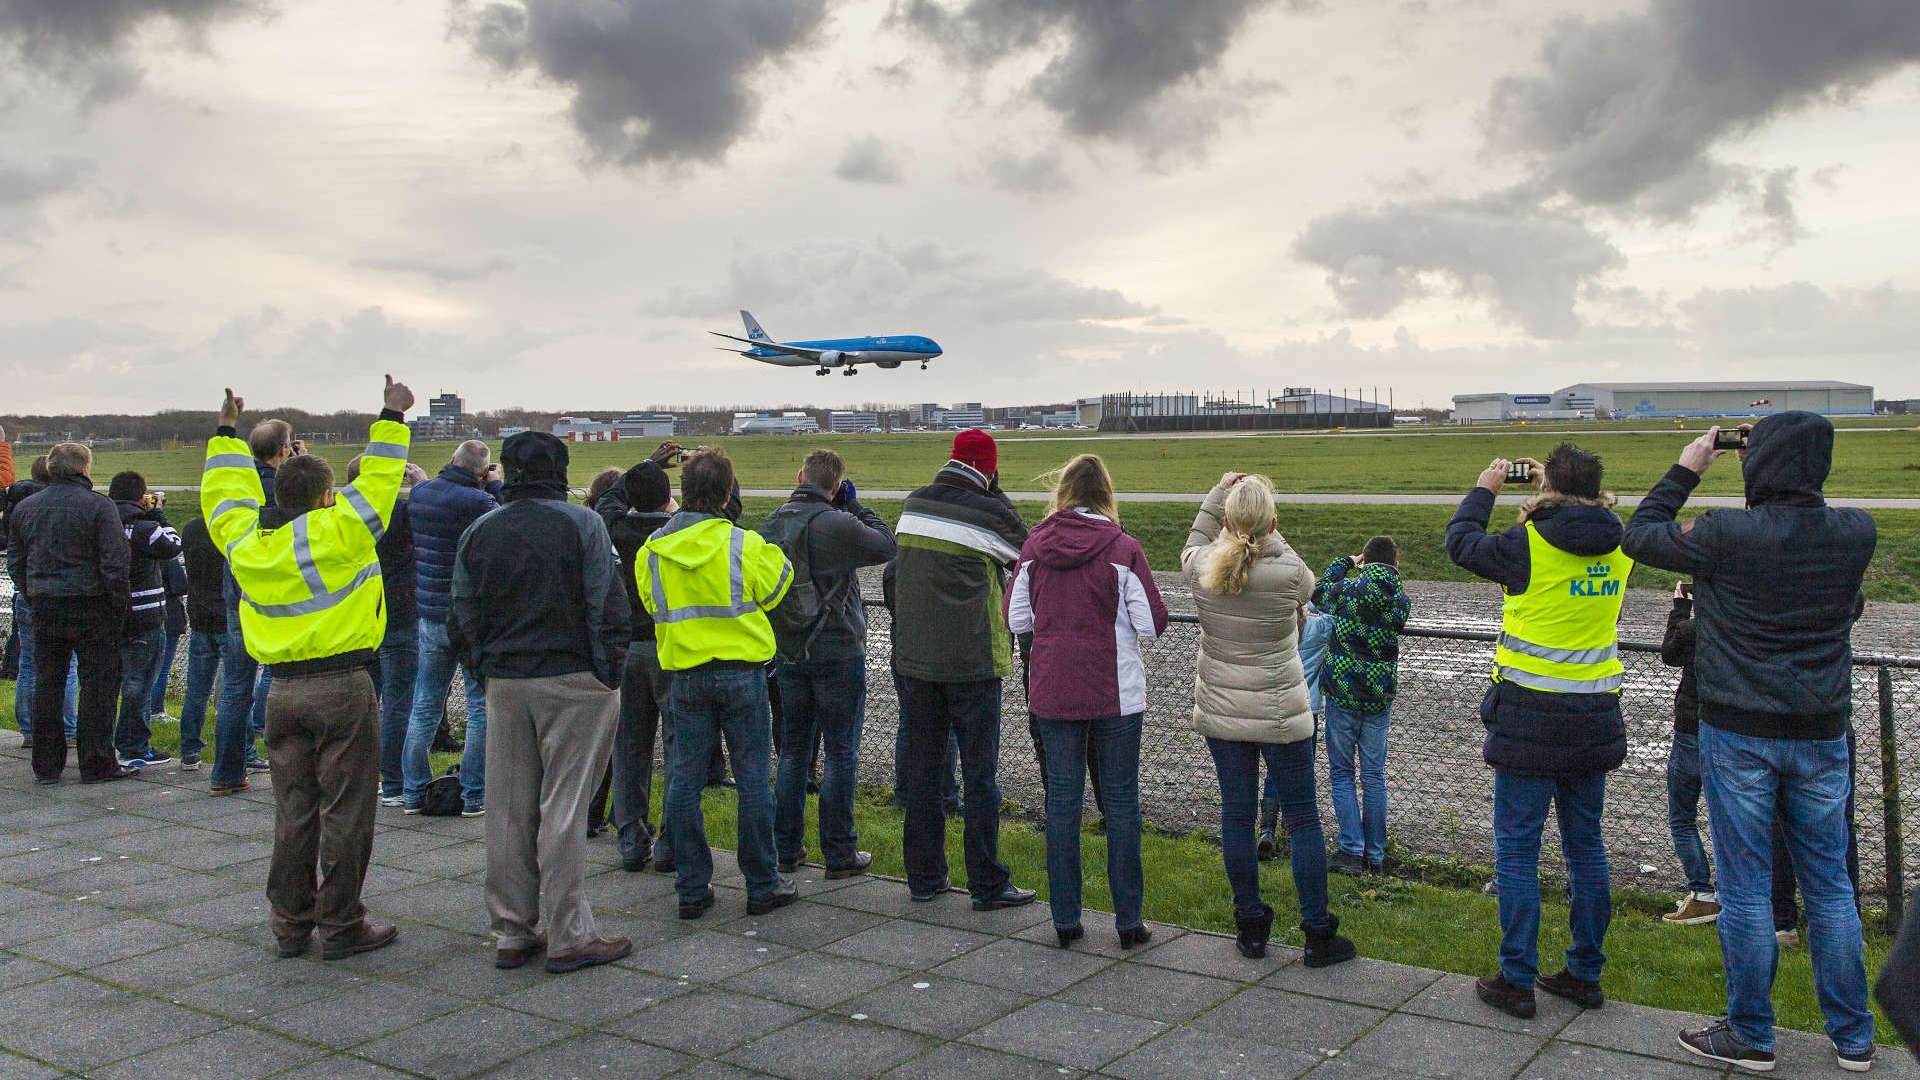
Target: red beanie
(975,447)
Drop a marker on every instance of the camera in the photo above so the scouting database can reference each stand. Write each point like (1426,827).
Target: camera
(1519,472)
(1730,439)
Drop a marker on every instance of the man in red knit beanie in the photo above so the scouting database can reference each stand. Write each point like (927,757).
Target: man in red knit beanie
(976,448)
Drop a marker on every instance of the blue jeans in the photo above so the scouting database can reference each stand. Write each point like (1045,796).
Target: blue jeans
(23,688)
(1683,811)
(1519,814)
(931,713)
(710,704)
(396,669)
(1808,779)
(139,656)
(828,696)
(430,689)
(203,662)
(162,672)
(235,724)
(1362,833)
(1290,778)
(1116,743)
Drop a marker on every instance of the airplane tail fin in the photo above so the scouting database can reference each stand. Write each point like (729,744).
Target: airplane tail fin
(754,330)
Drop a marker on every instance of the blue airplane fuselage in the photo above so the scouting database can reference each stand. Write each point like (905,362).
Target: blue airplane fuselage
(887,350)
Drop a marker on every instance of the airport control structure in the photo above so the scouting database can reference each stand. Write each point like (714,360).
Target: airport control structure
(1664,400)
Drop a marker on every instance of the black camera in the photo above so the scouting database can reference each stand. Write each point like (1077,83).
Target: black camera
(1730,439)
(1519,472)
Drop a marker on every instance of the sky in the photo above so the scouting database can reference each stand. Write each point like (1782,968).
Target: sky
(547,203)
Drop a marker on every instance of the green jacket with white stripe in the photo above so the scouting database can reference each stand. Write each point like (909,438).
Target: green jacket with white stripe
(958,538)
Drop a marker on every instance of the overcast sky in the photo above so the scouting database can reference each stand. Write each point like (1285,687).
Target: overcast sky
(546,202)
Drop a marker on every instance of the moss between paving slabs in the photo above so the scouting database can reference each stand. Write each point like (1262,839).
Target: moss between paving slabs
(1449,928)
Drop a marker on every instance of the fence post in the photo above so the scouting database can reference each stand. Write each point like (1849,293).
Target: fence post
(1890,800)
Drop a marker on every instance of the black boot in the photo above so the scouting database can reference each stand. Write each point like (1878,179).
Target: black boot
(1325,946)
(1254,930)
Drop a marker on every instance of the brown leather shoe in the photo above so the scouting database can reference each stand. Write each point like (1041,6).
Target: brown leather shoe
(229,789)
(598,951)
(291,947)
(508,959)
(368,937)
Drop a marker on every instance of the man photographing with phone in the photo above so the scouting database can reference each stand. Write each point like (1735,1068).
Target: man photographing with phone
(1776,589)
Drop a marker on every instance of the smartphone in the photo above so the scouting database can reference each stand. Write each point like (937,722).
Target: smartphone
(1730,439)
(1519,473)
(1686,589)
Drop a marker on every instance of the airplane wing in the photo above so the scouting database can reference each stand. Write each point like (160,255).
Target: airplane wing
(790,350)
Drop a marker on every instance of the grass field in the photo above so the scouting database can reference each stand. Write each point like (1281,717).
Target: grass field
(1875,463)
(1445,928)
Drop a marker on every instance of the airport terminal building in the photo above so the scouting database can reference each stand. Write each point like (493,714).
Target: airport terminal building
(1626,401)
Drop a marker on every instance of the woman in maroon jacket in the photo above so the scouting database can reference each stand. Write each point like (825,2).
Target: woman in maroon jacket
(1083,590)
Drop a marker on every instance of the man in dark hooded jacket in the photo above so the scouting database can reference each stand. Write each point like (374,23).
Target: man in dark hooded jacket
(536,610)
(150,542)
(634,509)
(1553,712)
(1776,588)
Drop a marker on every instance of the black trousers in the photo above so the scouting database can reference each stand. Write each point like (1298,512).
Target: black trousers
(92,629)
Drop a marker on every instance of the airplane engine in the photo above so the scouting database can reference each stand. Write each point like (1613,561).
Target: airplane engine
(830,358)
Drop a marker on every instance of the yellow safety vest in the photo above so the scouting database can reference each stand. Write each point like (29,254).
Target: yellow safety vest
(708,587)
(1561,634)
(311,588)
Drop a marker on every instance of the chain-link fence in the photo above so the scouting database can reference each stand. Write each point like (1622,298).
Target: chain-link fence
(1440,793)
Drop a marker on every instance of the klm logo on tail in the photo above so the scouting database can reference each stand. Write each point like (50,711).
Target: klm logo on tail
(754,332)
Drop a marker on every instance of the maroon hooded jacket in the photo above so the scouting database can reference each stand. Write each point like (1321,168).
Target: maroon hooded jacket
(1082,588)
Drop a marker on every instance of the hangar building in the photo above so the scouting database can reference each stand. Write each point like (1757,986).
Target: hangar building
(1624,400)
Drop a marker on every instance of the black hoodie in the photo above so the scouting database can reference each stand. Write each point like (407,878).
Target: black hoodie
(630,529)
(1529,732)
(1776,586)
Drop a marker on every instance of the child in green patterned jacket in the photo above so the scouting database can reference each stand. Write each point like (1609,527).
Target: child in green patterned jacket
(1367,609)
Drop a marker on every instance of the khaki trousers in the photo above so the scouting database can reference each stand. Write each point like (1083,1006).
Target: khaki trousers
(324,746)
(547,741)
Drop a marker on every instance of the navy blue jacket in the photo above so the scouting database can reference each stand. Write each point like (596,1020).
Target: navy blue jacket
(440,510)
(1776,587)
(1530,732)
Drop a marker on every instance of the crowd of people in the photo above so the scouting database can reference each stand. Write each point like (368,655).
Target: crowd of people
(590,636)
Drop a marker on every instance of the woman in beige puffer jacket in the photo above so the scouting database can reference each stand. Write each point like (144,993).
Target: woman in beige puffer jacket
(1250,701)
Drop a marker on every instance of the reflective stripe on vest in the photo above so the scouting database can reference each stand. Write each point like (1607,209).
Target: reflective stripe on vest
(736,590)
(1560,634)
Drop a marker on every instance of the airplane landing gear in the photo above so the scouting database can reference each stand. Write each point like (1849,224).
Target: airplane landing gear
(819,371)
(851,371)
(923,365)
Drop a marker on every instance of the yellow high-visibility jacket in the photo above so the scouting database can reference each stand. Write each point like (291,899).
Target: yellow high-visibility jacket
(310,587)
(709,585)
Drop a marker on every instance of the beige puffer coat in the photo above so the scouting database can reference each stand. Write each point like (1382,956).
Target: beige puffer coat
(1248,684)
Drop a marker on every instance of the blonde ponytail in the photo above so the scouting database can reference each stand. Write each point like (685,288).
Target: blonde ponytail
(1229,560)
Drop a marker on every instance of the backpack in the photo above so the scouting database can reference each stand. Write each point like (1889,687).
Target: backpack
(441,797)
(798,617)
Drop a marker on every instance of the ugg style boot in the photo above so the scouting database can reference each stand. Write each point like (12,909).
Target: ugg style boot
(1325,946)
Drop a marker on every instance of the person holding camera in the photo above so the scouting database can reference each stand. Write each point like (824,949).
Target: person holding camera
(150,542)
(1776,590)
(1554,728)
(820,634)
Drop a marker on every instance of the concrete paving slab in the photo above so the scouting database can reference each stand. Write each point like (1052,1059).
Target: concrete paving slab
(830,1048)
(465,1042)
(1188,1052)
(1023,966)
(707,1023)
(1071,1035)
(941,1007)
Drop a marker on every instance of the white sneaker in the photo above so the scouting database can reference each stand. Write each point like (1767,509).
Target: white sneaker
(163,717)
(1788,939)
(393,800)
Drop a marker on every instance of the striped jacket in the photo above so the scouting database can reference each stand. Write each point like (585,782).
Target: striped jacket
(150,542)
(958,537)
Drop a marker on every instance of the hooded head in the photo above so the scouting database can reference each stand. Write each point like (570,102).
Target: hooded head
(1788,457)
(536,466)
(647,487)
(976,448)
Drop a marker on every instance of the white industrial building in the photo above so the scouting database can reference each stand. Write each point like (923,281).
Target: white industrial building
(632,426)
(852,423)
(1625,401)
(781,423)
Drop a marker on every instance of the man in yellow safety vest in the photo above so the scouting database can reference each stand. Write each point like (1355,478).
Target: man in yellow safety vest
(313,609)
(1552,715)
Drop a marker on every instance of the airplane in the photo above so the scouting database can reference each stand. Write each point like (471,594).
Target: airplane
(887,351)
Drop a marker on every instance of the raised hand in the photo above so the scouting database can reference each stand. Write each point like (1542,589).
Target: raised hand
(1494,476)
(230,409)
(1700,455)
(398,397)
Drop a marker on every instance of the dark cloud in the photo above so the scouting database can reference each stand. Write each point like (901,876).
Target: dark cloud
(439,271)
(1529,264)
(86,42)
(653,81)
(1143,72)
(1627,111)
(870,161)
(1042,173)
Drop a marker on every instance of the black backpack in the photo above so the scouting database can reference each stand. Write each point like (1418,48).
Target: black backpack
(798,617)
(441,797)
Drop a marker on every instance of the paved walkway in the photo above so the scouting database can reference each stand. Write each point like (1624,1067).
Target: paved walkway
(132,924)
